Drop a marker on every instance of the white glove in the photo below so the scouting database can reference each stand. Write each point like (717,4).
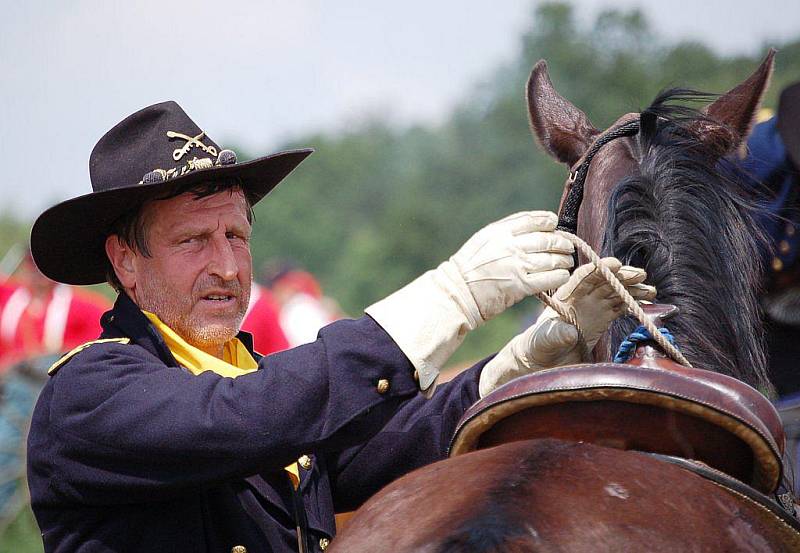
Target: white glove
(551,341)
(501,264)
(512,259)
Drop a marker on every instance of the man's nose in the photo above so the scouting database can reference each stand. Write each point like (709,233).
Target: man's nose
(223,261)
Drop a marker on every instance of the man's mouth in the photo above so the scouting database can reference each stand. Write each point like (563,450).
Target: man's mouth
(220,298)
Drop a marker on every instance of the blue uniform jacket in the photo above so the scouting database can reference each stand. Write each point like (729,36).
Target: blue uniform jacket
(777,179)
(127,451)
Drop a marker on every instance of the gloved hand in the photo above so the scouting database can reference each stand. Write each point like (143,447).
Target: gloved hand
(502,263)
(512,259)
(551,341)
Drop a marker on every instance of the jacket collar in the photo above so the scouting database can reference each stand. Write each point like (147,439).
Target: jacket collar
(126,320)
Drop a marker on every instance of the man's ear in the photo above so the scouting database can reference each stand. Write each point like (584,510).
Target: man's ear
(121,257)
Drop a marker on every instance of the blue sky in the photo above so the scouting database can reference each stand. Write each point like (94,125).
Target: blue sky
(261,72)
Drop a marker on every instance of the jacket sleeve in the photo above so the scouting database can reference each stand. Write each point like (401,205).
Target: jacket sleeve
(121,421)
(418,434)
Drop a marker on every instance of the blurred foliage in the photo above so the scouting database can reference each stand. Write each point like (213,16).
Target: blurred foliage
(377,205)
(13,235)
(22,535)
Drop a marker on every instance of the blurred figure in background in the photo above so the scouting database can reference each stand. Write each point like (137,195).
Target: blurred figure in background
(262,321)
(773,159)
(7,288)
(303,308)
(41,317)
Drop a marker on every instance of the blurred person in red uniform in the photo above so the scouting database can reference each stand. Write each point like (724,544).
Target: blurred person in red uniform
(7,288)
(39,316)
(303,308)
(263,322)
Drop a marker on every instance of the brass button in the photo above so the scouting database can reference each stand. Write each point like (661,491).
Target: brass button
(784,247)
(383,386)
(324,543)
(305,462)
(777,264)
(238,549)
(790,230)
(416,377)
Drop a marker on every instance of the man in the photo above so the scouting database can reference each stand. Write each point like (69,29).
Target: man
(773,159)
(170,434)
(303,308)
(262,321)
(41,317)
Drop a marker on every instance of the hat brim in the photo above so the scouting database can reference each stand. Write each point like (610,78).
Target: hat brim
(68,240)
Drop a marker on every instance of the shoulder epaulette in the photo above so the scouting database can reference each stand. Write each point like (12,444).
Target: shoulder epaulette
(69,355)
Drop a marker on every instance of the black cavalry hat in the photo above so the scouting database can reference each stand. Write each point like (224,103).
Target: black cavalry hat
(789,121)
(147,155)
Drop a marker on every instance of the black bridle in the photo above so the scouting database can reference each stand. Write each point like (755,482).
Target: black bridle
(568,216)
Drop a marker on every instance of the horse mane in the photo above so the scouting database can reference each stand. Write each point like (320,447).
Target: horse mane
(688,220)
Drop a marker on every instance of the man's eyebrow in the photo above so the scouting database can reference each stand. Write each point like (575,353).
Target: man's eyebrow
(243,224)
(188,230)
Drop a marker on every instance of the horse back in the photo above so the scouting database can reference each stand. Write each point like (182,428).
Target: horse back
(553,496)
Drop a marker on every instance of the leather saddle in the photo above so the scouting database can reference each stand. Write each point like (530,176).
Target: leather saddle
(649,404)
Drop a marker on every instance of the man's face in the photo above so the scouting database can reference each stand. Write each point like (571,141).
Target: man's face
(198,277)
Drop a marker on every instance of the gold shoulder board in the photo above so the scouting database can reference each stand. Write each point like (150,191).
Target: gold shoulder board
(67,356)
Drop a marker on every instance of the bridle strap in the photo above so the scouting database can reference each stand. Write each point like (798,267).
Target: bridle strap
(568,216)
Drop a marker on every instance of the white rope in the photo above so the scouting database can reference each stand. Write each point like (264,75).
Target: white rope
(568,314)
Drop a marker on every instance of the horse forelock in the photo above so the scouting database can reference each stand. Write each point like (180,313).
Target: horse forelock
(686,219)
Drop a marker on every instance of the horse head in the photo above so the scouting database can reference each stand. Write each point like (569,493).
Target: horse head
(662,196)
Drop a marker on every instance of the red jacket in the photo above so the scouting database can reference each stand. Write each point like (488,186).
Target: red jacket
(261,320)
(68,317)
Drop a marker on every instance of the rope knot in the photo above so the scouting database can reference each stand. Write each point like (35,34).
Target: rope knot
(628,346)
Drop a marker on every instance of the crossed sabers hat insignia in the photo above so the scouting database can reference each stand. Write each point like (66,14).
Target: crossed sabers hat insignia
(191,141)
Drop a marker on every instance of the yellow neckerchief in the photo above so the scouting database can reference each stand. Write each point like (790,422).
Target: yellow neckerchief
(236,361)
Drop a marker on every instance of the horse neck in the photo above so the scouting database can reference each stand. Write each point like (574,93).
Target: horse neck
(681,219)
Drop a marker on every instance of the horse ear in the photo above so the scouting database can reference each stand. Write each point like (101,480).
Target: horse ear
(563,130)
(736,110)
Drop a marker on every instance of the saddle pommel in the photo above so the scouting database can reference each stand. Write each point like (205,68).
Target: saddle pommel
(647,354)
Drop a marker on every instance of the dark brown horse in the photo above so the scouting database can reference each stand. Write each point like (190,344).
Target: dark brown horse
(661,199)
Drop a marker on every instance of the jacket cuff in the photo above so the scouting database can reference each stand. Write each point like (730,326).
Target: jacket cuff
(428,319)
